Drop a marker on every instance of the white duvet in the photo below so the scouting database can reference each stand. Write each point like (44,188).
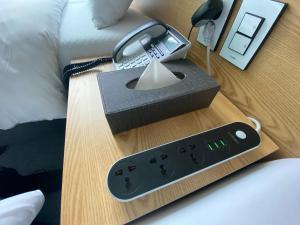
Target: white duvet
(21,209)
(30,85)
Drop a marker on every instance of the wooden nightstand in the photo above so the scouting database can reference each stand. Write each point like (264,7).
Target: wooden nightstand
(91,149)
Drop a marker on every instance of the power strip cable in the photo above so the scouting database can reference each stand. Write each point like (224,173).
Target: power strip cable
(208,33)
(256,123)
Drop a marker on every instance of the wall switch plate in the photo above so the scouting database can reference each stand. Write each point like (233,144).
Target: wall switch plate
(220,25)
(250,29)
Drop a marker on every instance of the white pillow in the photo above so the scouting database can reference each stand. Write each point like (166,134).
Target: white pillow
(21,209)
(108,12)
(30,85)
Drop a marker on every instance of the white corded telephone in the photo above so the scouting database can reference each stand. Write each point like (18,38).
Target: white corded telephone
(151,40)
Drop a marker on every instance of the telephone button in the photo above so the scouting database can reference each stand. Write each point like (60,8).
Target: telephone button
(160,51)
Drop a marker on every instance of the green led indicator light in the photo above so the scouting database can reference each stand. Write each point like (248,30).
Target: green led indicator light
(216,145)
(222,142)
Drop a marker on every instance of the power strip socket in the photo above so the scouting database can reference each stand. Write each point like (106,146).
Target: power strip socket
(140,174)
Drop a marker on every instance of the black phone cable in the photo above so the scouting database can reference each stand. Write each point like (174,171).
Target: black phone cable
(189,36)
(78,68)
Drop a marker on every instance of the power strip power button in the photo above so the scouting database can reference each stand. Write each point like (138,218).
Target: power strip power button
(241,134)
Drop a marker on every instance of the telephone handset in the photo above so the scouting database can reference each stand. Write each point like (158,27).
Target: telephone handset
(153,40)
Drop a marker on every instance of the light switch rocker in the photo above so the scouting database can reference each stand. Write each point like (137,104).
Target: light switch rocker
(145,172)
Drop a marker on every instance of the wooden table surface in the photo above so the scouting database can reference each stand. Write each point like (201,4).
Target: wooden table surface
(91,149)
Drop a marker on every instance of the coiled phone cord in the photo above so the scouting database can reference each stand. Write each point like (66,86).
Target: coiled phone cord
(78,68)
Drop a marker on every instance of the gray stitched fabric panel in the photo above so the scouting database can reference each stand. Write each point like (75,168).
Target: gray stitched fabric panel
(117,97)
(127,108)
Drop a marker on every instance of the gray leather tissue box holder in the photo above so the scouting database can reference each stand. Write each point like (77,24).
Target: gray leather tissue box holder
(126,108)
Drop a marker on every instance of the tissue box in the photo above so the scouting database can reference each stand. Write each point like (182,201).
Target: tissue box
(126,108)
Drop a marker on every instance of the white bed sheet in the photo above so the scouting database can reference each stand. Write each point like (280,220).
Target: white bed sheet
(79,37)
(264,194)
(30,85)
(31,89)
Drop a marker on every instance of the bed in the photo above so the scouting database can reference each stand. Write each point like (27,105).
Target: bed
(36,44)
(80,39)
(265,193)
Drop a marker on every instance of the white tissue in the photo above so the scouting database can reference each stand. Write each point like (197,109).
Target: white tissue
(156,75)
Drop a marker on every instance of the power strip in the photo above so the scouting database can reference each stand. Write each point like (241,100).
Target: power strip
(140,174)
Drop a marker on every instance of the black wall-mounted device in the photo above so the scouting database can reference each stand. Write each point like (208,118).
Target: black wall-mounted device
(210,10)
(145,172)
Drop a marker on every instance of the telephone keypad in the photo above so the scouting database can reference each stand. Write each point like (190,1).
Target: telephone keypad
(154,52)
(137,61)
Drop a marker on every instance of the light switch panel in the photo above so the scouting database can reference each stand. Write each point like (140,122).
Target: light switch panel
(251,27)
